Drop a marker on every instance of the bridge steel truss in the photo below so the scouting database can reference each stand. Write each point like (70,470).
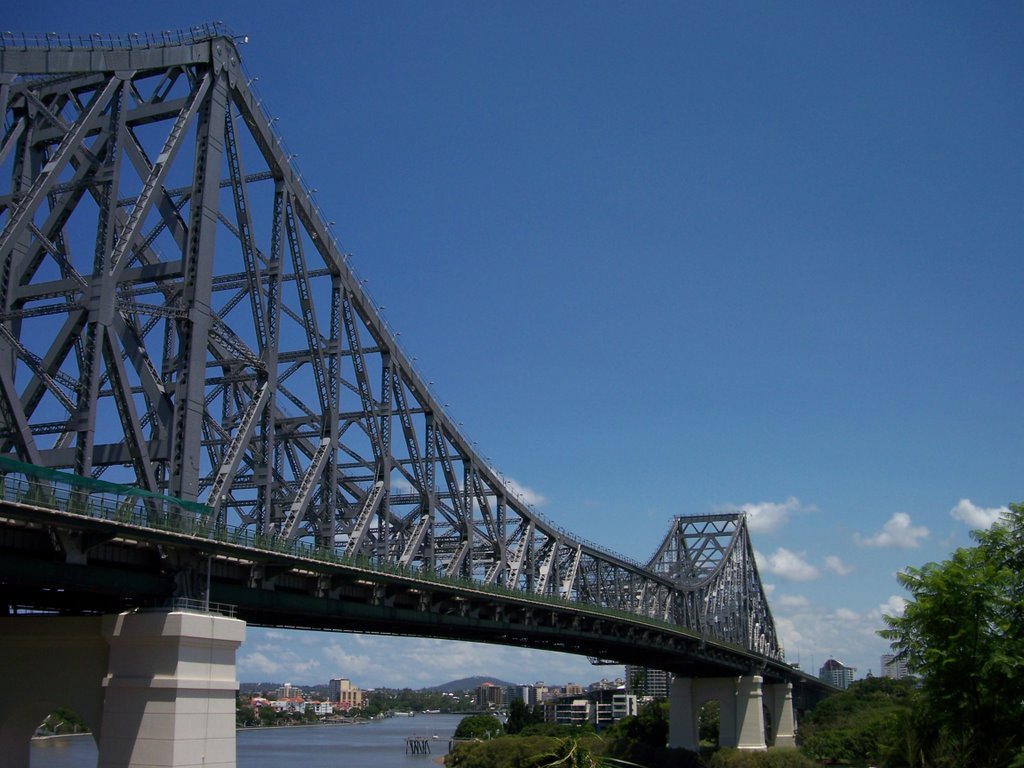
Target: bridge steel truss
(176,314)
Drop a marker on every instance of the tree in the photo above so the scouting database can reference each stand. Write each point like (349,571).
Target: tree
(859,724)
(520,716)
(479,727)
(963,632)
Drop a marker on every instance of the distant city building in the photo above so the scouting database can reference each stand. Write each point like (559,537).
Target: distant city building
(894,667)
(530,695)
(611,705)
(573,689)
(836,673)
(320,708)
(567,710)
(605,684)
(288,691)
(291,704)
(344,695)
(648,683)
(490,696)
(600,708)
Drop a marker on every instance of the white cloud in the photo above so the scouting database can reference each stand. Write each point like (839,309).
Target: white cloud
(527,495)
(789,565)
(894,606)
(835,564)
(259,663)
(792,601)
(898,532)
(845,614)
(769,516)
(977,517)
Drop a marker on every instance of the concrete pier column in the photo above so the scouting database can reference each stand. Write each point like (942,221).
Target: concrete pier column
(48,662)
(170,690)
(683,716)
(779,699)
(686,698)
(750,730)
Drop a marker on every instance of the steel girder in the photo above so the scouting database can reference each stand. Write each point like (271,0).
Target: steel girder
(711,561)
(176,314)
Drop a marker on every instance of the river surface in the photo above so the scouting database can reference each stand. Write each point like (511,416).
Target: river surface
(380,744)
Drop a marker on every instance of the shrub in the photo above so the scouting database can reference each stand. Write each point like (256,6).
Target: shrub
(775,757)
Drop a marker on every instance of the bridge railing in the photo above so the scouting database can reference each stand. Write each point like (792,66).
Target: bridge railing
(95,41)
(29,485)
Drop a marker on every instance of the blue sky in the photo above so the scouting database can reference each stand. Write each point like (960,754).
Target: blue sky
(671,258)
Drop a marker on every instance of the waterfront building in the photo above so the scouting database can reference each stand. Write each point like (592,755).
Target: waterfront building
(320,708)
(600,708)
(344,695)
(836,673)
(567,710)
(490,696)
(288,691)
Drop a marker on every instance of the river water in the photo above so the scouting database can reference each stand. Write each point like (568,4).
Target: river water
(380,744)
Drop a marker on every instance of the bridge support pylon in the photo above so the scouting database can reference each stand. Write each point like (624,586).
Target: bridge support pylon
(48,662)
(170,690)
(157,689)
(779,698)
(741,720)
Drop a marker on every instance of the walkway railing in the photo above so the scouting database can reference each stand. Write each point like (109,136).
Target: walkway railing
(95,41)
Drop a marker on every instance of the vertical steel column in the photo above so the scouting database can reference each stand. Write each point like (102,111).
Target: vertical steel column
(194,329)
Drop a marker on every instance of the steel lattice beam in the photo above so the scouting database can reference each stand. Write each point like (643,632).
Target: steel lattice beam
(177,315)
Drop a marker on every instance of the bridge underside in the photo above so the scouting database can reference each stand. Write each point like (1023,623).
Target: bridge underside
(114,569)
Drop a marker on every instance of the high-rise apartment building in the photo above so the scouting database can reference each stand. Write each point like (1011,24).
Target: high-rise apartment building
(490,696)
(836,673)
(345,695)
(894,667)
(647,682)
(288,691)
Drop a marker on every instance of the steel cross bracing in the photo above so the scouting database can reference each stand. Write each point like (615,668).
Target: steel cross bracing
(177,315)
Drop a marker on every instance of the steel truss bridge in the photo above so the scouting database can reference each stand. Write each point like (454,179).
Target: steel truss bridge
(178,318)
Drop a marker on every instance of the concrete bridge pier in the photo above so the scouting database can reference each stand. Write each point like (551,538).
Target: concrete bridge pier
(779,699)
(741,722)
(46,663)
(157,688)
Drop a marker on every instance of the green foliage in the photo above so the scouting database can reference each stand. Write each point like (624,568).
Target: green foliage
(710,722)
(557,730)
(526,752)
(63,720)
(479,727)
(963,632)
(775,757)
(649,726)
(520,716)
(245,716)
(857,724)
(385,700)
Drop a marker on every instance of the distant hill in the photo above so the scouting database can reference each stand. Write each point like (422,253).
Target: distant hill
(468,683)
